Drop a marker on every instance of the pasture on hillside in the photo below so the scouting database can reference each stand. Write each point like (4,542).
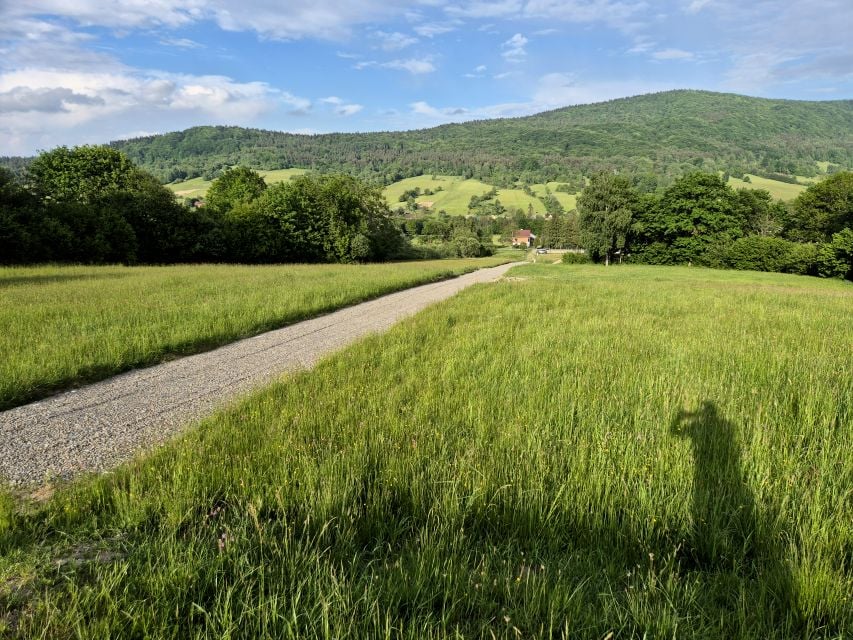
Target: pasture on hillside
(575,451)
(778,190)
(66,325)
(456,193)
(197,187)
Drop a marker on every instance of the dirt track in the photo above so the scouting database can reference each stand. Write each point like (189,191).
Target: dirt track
(99,426)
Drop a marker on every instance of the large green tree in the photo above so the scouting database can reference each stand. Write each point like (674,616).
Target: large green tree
(83,175)
(605,211)
(697,212)
(95,205)
(822,210)
(236,186)
(333,218)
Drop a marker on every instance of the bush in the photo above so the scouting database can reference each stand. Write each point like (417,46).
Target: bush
(760,253)
(835,259)
(802,259)
(757,253)
(575,258)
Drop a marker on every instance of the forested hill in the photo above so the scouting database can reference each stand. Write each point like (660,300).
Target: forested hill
(664,133)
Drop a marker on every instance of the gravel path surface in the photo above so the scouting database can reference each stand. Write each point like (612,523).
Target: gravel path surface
(99,426)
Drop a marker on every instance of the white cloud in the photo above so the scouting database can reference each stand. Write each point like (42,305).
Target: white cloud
(412,65)
(513,49)
(697,5)
(42,107)
(425,109)
(348,109)
(341,107)
(394,41)
(621,14)
(673,54)
(182,43)
(329,19)
(432,29)
(479,9)
(642,45)
(43,100)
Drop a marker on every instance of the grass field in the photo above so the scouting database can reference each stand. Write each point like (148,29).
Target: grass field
(63,325)
(457,191)
(454,198)
(577,451)
(197,187)
(779,190)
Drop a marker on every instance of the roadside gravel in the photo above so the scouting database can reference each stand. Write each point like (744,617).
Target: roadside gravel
(97,427)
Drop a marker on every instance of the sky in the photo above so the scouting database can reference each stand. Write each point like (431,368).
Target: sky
(90,71)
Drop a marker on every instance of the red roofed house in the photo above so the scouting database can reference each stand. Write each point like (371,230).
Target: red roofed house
(523,237)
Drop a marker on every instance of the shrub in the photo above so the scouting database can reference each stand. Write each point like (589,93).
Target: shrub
(757,253)
(835,259)
(760,253)
(575,258)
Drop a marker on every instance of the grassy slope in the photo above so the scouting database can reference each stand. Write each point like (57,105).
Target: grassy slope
(456,191)
(197,187)
(478,472)
(456,194)
(68,324)
(777,189)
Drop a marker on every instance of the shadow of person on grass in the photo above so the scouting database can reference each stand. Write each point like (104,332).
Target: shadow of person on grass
(729,536)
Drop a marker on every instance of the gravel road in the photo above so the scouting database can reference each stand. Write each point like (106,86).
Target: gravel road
(97,427)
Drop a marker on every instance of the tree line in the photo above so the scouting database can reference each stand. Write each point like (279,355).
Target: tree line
(93,205)
(700,220)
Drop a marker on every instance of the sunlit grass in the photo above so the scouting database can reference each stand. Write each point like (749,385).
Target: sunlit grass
(63,325)
(197,187)
(577,451)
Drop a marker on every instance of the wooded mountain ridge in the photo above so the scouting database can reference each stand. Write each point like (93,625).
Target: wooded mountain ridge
(666,134)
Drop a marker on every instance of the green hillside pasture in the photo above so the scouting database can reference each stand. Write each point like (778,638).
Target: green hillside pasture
(568,200)
(64,325)
(453,198)
(193,188)
(197,187)
(393,191)
(457,191)
(667,455)
(778,190)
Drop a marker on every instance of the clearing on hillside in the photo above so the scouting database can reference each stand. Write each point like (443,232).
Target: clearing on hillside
(456,192)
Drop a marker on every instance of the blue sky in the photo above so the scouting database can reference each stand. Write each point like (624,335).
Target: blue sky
(90,71)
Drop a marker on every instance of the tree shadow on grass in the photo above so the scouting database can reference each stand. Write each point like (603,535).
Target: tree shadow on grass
(13,281)
(731,536)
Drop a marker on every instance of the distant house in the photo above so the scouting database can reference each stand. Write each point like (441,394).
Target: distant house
(523,237)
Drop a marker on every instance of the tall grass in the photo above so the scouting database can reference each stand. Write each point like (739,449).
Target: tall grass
(575,452)
(64,325)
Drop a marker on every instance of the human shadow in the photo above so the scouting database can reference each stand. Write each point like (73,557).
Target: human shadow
(730,534)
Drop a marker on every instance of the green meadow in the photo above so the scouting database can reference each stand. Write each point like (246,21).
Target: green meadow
(575,451)
(456,193)
(778,190)
(67,325)
(197,187)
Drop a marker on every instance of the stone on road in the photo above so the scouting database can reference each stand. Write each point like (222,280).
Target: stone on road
(97,427)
